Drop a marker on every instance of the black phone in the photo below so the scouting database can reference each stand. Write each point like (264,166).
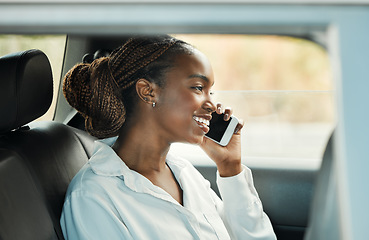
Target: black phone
(221,131)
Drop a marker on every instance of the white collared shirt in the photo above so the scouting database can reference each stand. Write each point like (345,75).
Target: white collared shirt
(107,200)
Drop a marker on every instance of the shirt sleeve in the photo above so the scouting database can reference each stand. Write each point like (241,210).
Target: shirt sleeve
(241,209)
(87,216)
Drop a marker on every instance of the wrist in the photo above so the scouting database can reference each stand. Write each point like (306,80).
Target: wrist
(229,169)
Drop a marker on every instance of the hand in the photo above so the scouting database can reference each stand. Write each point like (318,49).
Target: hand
(227,158)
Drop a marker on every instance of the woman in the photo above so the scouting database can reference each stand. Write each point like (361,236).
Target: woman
(151,92)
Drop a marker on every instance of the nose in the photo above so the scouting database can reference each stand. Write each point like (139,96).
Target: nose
(209,106)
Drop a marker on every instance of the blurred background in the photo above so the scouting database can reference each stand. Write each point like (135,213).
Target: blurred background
(280,86)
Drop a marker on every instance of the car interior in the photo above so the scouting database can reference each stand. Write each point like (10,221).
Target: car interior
(322,200)
(38,159)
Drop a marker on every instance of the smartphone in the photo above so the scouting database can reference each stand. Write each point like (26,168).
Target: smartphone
(221,131)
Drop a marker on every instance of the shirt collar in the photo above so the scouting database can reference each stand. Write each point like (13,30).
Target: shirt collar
(105,162)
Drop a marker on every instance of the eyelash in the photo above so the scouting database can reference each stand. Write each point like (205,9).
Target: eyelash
(199,88)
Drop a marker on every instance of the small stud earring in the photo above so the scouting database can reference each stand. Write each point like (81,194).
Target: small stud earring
(153,104)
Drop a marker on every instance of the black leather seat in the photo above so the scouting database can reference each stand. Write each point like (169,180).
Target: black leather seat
(37,162)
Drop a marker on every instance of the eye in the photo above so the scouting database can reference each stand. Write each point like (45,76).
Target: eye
(198,88)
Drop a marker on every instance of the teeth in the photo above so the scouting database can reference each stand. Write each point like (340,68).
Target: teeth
(201,120)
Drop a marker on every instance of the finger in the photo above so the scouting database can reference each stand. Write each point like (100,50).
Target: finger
(239,126)
(208,145)
(219,108)
(227,113)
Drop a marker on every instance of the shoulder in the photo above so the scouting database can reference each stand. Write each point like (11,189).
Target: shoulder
(103,167)
(98,177)
(86,181)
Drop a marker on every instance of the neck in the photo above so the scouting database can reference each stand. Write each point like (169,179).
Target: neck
(141,151)
(144,150)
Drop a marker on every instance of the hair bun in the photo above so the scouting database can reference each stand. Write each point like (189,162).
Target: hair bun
(77,89)
(90,89)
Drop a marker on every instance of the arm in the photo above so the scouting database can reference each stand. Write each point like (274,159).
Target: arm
(241,209)
(89,217)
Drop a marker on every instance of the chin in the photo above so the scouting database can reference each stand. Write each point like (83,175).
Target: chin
(196,140)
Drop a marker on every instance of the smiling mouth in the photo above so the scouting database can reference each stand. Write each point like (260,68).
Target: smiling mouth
(202,123)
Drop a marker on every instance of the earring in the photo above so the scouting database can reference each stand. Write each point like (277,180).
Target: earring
(153,104)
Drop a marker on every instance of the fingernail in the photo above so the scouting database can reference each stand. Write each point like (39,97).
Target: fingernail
(226,116)
(236,130)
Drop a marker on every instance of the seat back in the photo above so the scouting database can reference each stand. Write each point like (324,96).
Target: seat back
(324,219)
(37,162)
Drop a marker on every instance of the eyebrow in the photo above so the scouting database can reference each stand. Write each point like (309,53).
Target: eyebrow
(199,76)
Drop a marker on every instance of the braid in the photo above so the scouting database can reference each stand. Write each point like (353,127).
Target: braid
(102,91)
(76,88)
(106,107)
(133,61)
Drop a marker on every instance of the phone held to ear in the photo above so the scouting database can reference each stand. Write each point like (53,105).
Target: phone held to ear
(221,131)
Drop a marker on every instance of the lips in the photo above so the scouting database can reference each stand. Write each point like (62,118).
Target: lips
(202,123)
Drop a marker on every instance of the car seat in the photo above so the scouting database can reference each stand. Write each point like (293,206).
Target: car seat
(324,217)
(39,159)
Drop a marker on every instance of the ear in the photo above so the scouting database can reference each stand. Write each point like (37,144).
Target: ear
(146,90)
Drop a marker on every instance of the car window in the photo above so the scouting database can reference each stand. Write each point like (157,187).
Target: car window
(52,45)
(280,86)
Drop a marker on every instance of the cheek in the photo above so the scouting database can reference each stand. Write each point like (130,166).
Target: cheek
(177,110)
(182,101)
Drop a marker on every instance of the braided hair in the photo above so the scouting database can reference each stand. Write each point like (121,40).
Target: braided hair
(104,91)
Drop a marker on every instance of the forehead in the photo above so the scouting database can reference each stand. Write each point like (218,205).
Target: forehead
(191,65)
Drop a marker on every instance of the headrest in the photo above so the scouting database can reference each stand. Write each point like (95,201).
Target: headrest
(26,88)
